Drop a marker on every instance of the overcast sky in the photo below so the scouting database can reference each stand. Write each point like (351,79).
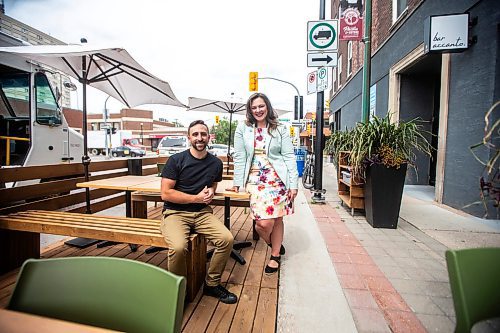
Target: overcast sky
(202,48)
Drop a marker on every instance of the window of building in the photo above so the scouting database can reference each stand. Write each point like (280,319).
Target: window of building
(398,7)
(336,118)
(349,58)
(339,71)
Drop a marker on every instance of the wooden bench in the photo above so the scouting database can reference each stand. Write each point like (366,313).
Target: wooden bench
(20,238)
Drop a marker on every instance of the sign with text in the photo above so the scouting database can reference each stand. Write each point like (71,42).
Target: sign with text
(351,20)
(322,79)
(447,33)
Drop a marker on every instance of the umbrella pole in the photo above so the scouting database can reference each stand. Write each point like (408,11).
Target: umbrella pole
(229,139)
(84,242)
(85,157)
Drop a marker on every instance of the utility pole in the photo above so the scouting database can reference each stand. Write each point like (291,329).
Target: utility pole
(318,145)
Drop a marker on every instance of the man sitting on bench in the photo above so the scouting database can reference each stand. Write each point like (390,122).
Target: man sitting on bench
(189,181)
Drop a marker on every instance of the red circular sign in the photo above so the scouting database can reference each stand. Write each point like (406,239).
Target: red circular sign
(312,77)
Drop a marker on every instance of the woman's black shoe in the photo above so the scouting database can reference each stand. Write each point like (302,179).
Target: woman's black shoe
(269,269)
(282,249)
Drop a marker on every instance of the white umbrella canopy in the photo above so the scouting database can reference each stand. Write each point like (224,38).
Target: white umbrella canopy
(111,70)
(208,105)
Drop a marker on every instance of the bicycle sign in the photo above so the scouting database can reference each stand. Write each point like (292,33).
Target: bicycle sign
(322,35)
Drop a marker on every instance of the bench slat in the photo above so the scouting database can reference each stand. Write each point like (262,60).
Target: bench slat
(58,228)
(118,222)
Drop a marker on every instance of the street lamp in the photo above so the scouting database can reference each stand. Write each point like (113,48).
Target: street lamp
(142,140)
(298,99)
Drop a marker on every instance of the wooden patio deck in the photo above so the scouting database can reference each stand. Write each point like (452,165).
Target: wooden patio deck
(257,292)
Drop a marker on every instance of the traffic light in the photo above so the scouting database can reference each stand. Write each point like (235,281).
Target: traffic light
(253,84)
(217,120)
(113,130)
(327,104)
(308,128)
(292,131)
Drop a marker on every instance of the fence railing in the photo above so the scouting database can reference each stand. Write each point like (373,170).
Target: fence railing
(53,187)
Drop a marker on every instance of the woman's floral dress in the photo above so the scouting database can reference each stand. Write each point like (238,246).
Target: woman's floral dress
(268,194)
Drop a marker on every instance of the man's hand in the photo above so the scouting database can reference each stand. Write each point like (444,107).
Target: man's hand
(209,195)
(202,196)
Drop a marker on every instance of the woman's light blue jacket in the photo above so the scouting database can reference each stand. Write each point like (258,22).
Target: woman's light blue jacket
(279,150)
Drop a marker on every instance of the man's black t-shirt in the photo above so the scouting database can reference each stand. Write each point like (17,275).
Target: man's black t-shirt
(191,175)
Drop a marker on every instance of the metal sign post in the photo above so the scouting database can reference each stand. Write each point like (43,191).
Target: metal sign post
(320,101)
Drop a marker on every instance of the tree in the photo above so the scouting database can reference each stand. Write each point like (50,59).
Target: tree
(221,131)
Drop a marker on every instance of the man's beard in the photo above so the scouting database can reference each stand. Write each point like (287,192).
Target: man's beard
(195,146)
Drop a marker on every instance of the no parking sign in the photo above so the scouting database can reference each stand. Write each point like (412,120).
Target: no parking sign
(311,83)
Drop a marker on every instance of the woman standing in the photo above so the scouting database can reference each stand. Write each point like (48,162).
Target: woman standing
(264,162)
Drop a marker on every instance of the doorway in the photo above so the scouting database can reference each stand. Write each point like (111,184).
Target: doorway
(420,87)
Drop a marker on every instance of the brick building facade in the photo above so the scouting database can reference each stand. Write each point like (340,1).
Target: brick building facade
(451,91)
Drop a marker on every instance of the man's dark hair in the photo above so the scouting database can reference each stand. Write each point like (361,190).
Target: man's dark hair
(197,122)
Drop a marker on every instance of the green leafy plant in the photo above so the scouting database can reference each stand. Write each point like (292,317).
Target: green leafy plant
(392,144)
(338,141)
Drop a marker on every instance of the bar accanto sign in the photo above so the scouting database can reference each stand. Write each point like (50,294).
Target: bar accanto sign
(447,33)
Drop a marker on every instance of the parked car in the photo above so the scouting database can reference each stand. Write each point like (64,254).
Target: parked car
(218,149)
(170,145)
(125,151)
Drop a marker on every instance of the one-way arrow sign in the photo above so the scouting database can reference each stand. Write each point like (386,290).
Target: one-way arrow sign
(322,59)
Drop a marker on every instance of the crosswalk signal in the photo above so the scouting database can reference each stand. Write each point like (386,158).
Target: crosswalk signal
(217,120)
(253,84)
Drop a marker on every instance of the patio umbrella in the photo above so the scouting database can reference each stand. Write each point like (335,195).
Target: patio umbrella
(208,105)
(111,70)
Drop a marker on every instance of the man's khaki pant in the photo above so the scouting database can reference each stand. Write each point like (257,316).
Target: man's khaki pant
(176,227)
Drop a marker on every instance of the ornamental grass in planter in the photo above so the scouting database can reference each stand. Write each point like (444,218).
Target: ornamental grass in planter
(337,142)
(380,153)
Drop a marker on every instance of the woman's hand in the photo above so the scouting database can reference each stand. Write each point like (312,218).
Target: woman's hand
(233,189)
(292,194)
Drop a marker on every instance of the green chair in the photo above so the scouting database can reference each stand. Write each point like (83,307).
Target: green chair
(475,285)
(113,293)
(160,167)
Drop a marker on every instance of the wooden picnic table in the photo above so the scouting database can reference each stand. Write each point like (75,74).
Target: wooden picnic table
(123,183)
(21,322)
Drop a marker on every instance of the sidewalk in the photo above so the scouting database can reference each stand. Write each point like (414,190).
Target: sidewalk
(392,280)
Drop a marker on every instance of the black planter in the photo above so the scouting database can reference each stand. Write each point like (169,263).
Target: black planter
(383,194)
